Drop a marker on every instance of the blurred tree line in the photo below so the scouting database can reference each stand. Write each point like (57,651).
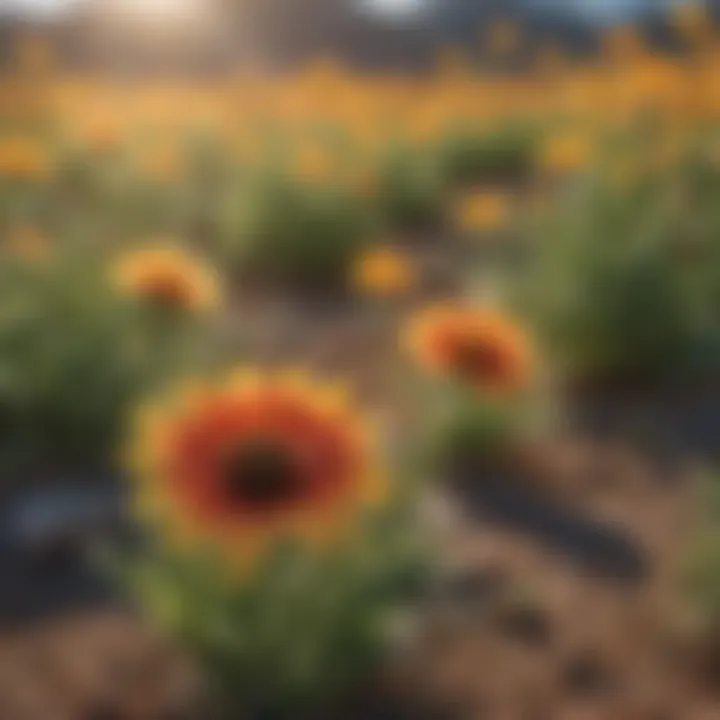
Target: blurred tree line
(276,34)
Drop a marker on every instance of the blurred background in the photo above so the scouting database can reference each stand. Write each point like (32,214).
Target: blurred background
(132,35)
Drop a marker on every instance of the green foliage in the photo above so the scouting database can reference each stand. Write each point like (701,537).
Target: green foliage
(478,429)
(471,155)
(411,193)
(73,356)
(702,567)
(298,631)
(468,427)
(298,235)
(619,282)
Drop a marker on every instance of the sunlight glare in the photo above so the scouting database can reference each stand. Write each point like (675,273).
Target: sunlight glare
(395,8)
(161,10)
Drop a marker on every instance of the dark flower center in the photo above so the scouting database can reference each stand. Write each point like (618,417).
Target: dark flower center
(167,290)
(478,358)
(261,474)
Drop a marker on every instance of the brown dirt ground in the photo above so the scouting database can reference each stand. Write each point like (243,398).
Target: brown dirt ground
(517,633)
(522,634)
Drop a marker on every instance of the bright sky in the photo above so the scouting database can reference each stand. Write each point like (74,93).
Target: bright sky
(395,8)
(391,8)
(35,7)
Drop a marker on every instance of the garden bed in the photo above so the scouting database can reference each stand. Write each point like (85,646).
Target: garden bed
(526,619)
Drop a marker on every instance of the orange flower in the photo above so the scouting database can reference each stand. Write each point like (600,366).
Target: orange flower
(314,164)
(102,133)
(383,271)
(478,346)
(24,159)
(566,153)
(163,165)
(168,277)
(483,211)
(252,459)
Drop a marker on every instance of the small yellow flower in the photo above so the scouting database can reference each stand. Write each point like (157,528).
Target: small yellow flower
(24,159)
(163,165)
(102,133)
(384,271)
(169,277)
(314,164)
(566,153)
(485,211)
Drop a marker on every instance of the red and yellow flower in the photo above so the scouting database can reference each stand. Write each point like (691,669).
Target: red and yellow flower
(257,457)
(478,346)
(168,277)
